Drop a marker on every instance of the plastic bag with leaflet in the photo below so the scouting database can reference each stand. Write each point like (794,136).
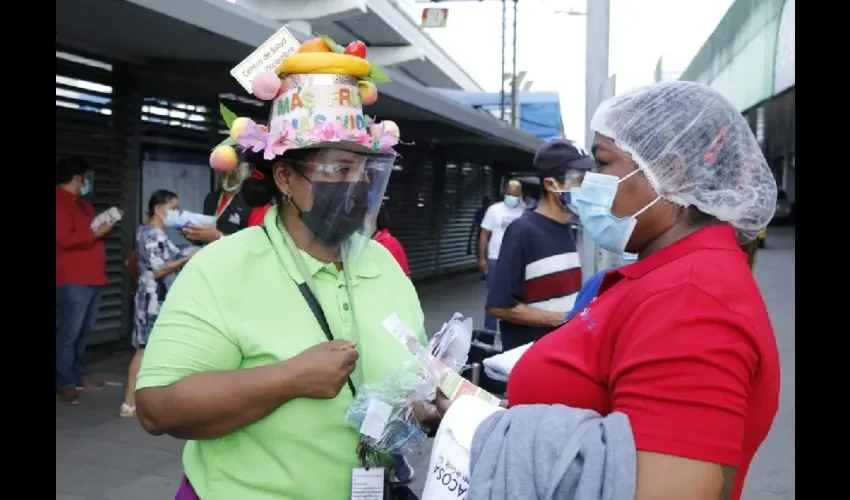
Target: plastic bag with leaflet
(384,412)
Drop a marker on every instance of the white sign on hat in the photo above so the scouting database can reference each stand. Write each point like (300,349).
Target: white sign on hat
(266,58)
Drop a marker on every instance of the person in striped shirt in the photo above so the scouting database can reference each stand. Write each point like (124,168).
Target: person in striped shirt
(538,274)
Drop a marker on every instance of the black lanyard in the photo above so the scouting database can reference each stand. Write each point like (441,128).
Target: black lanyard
(314,305)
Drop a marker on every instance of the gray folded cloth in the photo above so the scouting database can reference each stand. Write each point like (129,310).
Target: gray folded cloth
(552,452)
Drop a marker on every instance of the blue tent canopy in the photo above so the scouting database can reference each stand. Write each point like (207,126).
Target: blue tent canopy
(540,112)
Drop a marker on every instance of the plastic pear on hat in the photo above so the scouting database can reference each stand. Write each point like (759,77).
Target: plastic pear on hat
(695,148)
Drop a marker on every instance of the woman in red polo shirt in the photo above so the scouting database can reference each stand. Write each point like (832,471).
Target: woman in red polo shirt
(383,236)
(679,341)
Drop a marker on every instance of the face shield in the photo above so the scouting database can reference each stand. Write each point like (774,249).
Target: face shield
(343,198)
(568,185)
(231,180)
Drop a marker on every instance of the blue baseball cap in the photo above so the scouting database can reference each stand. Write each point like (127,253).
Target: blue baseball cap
(558,155)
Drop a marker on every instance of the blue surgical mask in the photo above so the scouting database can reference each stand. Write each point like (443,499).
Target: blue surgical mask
(567,200)
(86,189)
(175,218)
(511,201)
(594,201)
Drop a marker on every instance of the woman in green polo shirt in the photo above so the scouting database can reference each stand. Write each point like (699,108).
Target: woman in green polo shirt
(238,363)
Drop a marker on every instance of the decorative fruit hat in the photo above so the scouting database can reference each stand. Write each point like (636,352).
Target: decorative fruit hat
(317,97)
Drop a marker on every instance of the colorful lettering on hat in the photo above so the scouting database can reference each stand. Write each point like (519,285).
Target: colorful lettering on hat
(303,108)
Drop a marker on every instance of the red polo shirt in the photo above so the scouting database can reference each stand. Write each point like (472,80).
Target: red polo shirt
(681,342)
(80,258)
(257,216)
(394,246)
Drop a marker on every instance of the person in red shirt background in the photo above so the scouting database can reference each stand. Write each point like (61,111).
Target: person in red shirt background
(80,274)
(382,235)
(679,341)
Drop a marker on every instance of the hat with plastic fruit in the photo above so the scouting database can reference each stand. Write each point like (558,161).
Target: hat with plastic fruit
(317,96)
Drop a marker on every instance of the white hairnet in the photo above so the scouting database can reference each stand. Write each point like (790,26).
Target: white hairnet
(695,149)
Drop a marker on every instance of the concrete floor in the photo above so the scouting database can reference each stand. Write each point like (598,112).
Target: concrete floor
(102,457)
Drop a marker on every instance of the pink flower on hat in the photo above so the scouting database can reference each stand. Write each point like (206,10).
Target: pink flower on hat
(253,137)
(360,136)
(330,131)
(276,145)
(384,138)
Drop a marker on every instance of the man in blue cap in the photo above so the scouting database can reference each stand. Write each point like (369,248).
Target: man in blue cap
(538,274)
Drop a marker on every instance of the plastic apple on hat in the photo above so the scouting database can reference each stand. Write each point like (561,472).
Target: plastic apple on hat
(356,49)
(238,126)
(224,159)
(368,92)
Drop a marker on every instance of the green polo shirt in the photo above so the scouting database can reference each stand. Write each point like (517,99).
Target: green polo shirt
(236,305)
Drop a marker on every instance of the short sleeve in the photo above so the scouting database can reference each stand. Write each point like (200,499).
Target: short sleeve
(682,371)
(508,281)
(190,335)
(489,220)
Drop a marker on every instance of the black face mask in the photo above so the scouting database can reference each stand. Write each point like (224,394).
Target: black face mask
(339,209)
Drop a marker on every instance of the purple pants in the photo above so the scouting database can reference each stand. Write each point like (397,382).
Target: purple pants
(185,491)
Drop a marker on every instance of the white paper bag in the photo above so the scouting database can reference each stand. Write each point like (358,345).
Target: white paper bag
(448,470)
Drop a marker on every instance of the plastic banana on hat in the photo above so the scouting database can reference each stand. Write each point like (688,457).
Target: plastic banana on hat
(317,95)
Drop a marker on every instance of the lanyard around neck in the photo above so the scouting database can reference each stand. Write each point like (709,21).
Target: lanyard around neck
(219,213)
(357,375)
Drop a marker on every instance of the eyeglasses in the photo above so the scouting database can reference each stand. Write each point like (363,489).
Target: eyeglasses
(363,170)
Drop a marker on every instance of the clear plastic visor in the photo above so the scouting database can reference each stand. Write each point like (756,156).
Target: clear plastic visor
(339,194)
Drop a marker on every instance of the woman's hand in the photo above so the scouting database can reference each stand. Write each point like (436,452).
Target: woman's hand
(322,370)
(427,415)
(443,403)
(203,232)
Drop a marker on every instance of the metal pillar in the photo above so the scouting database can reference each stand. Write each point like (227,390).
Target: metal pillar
(514,82)
(596,75)
(596,63)
(504,29)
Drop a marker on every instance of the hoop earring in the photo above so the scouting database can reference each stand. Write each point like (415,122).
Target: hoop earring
(285,198)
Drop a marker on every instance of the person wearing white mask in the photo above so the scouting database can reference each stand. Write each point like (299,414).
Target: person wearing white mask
(159,261)
(496,220)
(232,213)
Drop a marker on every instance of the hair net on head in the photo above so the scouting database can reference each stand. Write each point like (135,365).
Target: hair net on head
(695,149)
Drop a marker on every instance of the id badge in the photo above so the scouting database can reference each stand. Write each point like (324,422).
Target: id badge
(367,484)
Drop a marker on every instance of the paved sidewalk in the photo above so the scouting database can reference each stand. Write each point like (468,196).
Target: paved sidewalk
(100,456)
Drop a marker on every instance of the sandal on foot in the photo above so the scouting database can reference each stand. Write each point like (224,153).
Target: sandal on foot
(127,411)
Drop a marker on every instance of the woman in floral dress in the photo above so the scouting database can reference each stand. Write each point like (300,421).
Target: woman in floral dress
(159,261)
